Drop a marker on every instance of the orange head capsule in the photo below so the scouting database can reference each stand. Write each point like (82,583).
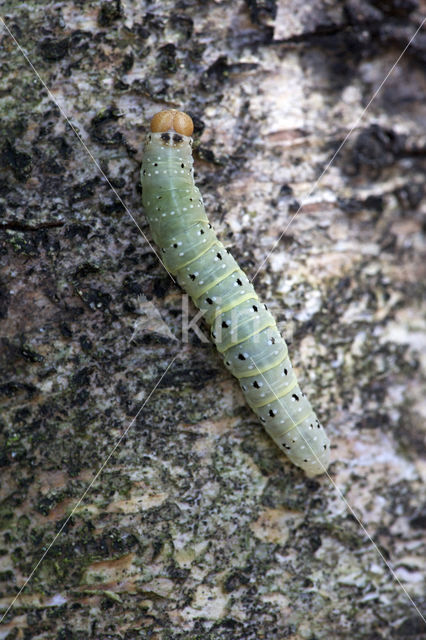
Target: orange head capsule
(172,120)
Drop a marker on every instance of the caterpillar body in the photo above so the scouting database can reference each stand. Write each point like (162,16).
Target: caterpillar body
(244,331)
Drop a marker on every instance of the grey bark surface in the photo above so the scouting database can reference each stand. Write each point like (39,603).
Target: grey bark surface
(197,526)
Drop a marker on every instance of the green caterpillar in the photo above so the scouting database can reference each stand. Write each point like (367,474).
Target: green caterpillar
(244,331)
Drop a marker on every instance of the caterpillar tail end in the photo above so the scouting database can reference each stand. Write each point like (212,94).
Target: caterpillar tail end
(318,464)
(172,120)
(317,469)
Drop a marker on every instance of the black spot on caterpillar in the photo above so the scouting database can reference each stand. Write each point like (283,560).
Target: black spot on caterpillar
(244,331)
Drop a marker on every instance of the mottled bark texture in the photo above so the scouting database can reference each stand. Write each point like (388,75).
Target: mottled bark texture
(198,527)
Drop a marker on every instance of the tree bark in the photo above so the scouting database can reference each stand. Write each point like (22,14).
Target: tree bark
(171,512)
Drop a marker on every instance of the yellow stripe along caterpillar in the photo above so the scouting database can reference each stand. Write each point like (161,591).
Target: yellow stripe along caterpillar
(244,331)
